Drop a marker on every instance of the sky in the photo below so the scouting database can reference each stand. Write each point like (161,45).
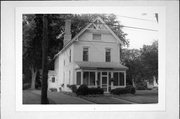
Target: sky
(139,37)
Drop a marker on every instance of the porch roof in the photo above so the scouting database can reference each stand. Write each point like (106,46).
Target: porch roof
(100,65)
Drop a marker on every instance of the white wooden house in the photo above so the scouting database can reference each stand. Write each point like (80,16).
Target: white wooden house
(92,57)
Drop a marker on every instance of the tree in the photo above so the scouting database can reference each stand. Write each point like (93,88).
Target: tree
(44,99)
(131,59)
(142,64)
(32,35)
(149,56)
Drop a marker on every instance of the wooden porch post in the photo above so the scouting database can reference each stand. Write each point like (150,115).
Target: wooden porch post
(125,78)
(112,81)
(81,77)
(96,78)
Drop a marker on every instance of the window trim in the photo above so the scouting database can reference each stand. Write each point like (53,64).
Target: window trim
(87,54)
(107,55)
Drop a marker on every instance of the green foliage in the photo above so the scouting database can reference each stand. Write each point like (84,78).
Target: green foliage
(149,56)
(82,90)
(94,91)
(131,89)
(53,89)
(73,88)
(142,64)
(126,90)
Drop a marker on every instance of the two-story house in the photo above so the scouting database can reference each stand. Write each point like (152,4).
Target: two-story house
(92,57)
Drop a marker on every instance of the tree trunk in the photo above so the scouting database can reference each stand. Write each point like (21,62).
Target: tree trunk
(33,78)
(44,99)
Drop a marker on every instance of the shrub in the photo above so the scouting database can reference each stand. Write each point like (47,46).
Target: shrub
(95,91)
(131,89)
(127,89)
(82,90)
(53,89)
(119,91)
(73,88)
(141,86)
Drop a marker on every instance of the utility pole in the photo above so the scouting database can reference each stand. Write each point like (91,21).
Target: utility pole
(44,98)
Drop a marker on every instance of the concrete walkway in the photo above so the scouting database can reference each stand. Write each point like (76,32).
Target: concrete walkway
(61,98)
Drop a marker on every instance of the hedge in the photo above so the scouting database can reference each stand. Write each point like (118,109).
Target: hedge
(126,90)
(84,90)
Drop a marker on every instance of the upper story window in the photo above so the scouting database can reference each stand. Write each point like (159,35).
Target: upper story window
(108,55)
(69,55)
(96,36)
(85,54)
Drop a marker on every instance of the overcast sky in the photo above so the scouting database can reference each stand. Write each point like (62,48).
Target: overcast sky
(139,37)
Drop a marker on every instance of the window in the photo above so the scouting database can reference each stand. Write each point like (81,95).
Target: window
(121,76)
(85,54)
(108,55)
(118,79)
(98,78)
(85,78)
(53,79)
(78,78)
(89,78)
(96,36)
(115,79)
(92,78)
(69,55)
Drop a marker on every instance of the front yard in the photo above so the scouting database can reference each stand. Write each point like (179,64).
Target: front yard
(141,97)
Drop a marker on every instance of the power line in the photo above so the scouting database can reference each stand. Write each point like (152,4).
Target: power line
(138,28)
(135,18)
(132,27)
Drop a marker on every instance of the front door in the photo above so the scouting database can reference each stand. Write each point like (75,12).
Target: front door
(104,80)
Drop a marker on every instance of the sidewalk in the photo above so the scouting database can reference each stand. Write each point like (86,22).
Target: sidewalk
(61,98)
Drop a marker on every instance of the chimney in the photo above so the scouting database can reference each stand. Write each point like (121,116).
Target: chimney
(67,35)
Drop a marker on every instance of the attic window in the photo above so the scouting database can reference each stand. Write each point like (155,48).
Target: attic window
(96,36)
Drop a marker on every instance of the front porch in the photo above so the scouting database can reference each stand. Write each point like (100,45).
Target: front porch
(104,75)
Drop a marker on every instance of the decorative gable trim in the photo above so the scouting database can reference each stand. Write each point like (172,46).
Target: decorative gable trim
(83,30)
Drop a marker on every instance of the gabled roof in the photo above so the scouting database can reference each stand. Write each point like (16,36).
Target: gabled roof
(83,30)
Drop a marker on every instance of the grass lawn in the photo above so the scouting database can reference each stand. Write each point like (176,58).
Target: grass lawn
(32,98)
(141,97)
(103,99)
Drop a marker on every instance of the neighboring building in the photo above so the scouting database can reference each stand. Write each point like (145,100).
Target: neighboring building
(92,57)
(52,80)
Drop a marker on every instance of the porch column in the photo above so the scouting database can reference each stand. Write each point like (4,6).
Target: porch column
(125,78)
(112,81)
(96,78)
(81,77)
